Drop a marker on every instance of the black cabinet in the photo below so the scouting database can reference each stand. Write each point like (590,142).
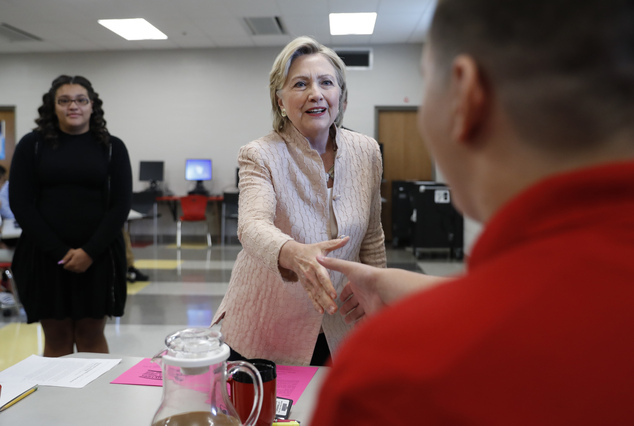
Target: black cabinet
(423,217)
(439,226)
(403,192)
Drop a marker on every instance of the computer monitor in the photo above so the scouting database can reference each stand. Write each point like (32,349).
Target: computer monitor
(199,170)
(151,171)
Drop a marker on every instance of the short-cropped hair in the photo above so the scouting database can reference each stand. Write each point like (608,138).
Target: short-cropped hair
(293,50)
(563,69)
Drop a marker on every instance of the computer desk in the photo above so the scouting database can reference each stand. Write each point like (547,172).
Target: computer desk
(101,403)
(173,200)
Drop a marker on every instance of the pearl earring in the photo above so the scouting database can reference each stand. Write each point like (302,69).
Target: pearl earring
(283,112)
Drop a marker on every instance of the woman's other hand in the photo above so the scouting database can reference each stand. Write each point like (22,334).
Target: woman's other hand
(76,260)
(302,259)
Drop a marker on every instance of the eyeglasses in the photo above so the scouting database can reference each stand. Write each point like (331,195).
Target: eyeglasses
(79,101)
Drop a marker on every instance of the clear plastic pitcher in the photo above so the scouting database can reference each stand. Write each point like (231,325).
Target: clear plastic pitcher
(195,371)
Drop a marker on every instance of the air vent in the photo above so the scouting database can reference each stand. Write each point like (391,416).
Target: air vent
(265,26)
(360,59)
(12,33)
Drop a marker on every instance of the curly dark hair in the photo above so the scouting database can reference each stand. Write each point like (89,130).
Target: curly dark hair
(47,122)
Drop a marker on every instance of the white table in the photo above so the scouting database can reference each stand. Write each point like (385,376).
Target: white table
(101,403)
(10,229)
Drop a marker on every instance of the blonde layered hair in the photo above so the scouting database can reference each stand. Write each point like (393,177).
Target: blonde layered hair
(293,50)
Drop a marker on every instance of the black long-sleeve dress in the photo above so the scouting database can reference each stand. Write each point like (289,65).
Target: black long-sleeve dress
(73,195)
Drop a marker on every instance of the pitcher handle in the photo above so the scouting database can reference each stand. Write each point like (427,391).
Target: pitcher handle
(248,368)
(158,357)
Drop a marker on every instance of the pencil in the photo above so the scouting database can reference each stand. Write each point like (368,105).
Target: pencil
(18,398)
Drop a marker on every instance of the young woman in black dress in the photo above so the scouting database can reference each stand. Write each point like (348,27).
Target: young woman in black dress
(71,187)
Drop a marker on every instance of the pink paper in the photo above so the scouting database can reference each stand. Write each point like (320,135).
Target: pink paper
(291,380)
(145,372)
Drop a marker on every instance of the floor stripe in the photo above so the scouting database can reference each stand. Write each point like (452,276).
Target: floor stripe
(134,288)
(183,264)
(157,264)
(201,246)
(184,288)
(208,264)
(19,341)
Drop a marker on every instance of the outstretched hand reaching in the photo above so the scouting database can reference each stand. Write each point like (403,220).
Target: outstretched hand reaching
(302,259)
(374,288)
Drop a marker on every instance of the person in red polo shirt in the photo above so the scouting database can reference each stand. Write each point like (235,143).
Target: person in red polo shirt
(527,109)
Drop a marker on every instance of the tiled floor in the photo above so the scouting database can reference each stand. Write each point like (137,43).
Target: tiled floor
(185,289)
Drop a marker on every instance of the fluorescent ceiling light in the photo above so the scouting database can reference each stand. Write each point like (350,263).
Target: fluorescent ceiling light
(352,23)
(133,29)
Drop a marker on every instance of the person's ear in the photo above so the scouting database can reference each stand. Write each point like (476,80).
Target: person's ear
(469,98)
(279,102)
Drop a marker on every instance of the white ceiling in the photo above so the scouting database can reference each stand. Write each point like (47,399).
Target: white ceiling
(71,25)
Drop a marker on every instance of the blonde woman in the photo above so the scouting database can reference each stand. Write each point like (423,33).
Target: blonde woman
(308,188)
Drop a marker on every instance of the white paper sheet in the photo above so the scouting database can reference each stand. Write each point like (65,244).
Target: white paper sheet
(63,372)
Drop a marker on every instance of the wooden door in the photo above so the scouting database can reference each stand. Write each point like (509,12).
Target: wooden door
(405,155)
(7,118)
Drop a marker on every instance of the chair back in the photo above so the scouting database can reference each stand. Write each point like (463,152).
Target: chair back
(230,204)
(143,202)
(194,208)
(231,197)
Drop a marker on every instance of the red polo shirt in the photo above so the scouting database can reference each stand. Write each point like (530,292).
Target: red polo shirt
(540,331)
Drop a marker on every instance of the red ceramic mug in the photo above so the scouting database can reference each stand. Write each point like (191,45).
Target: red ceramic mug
(242,392)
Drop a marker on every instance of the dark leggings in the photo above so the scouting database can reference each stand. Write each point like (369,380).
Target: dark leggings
(321,354)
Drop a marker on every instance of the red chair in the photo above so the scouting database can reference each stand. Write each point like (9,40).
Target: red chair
(6,257)
(194,210)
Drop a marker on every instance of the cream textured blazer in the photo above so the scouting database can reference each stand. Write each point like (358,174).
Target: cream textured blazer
(266,313)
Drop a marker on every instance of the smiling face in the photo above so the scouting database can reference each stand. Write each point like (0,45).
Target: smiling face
(310,96)
(74,118)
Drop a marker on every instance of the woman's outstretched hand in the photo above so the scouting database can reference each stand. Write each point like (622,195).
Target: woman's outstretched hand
(302,259)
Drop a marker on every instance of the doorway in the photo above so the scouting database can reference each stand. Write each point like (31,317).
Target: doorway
(7,124)
(405,156)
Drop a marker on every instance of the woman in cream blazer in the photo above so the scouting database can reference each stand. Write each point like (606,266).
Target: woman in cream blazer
(292,207)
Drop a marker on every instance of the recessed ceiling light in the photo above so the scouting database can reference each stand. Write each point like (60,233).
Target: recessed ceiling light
(352,23)
(133,29)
